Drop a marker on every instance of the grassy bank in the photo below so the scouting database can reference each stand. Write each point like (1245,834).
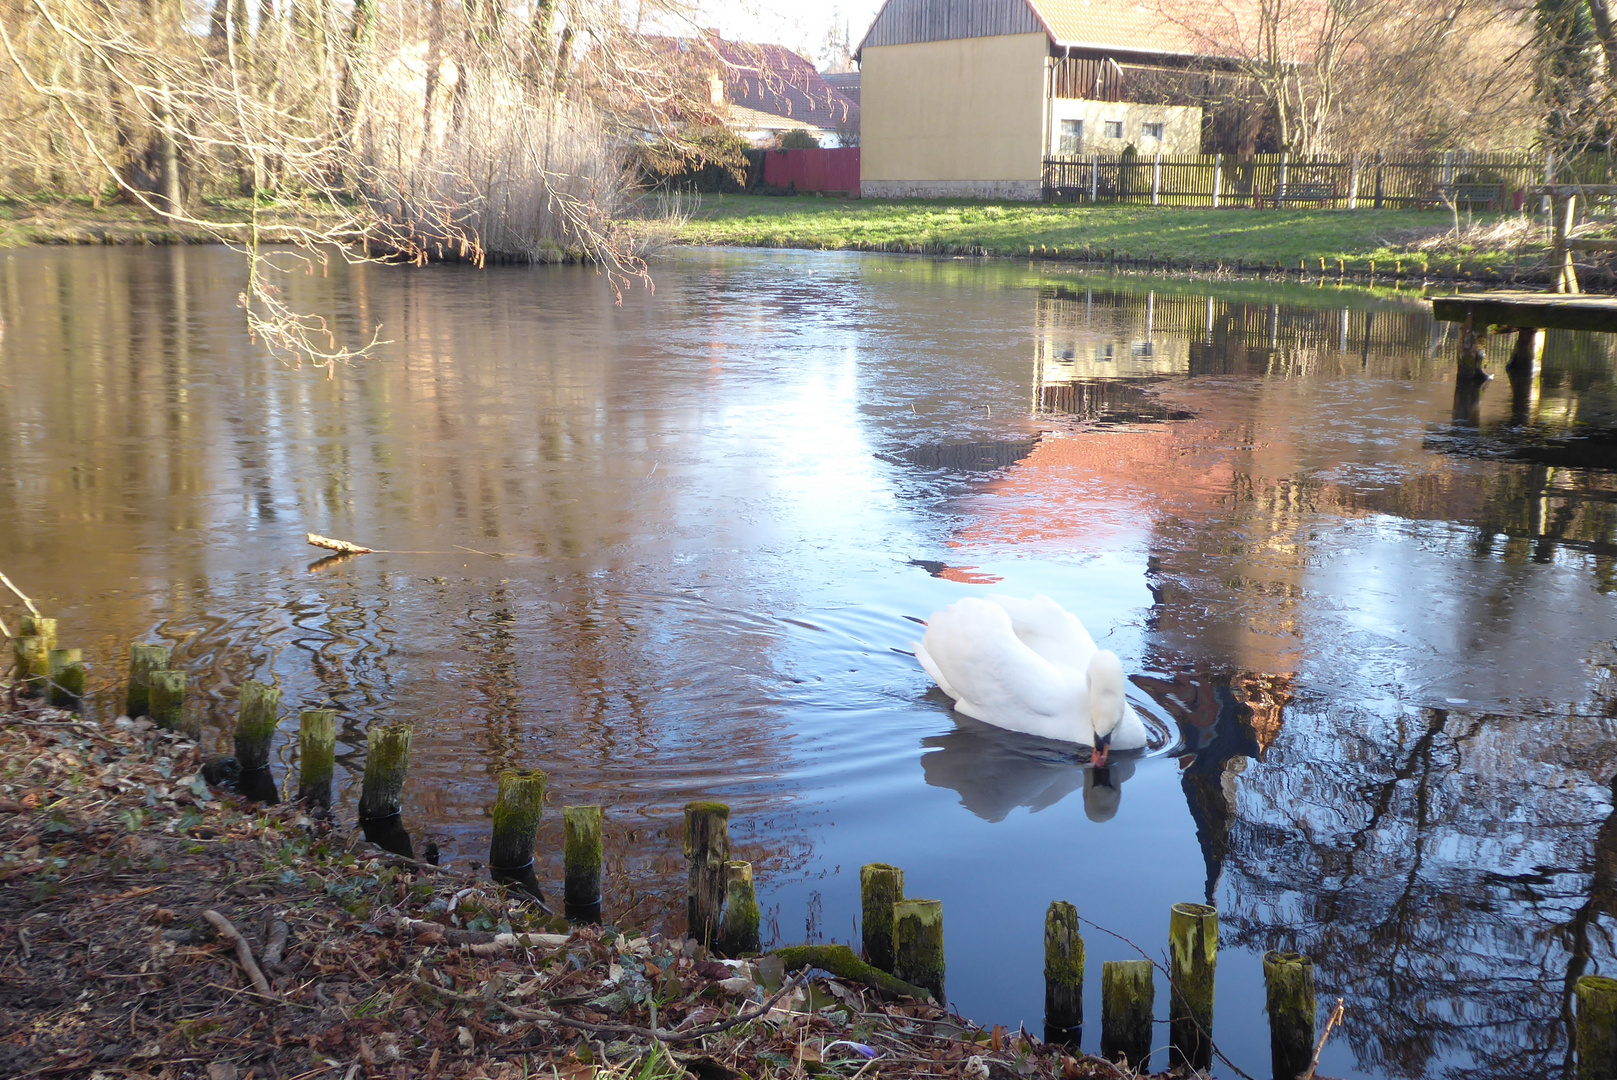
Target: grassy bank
(48,219)
(1488,247)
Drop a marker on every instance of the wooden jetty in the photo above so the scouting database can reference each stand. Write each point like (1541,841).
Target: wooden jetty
(1544,311)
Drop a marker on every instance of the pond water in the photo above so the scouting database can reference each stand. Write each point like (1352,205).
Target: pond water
(675,549)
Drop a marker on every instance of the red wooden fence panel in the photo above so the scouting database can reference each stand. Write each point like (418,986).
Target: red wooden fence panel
(814,170)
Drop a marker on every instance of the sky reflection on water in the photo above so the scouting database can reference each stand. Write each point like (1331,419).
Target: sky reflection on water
(674,549)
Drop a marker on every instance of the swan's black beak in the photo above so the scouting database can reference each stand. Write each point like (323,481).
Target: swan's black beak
(1103,743)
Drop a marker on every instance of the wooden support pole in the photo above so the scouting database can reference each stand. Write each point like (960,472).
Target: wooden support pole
(581,861)
(1289,979)
(918,944)
(33,663)
(387,760)
(1127,1002)
(258,709)
(1193,955)
(738,929)
(143,660)
(167,695)
(880,887)
(317,754)
(1596,1030)
(43,631)
(1528,350)
(1563,274)
(1063,973)
(518,803)
(707,846)
(67,678)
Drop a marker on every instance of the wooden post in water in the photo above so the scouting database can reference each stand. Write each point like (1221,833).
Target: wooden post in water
(1063,973)
(1128,999)
(1596,1031)
(1289,979)
(880,887)
(143,660)
(738,929)
(1528,350)
(66,678)
(387,760)
(1193,955)
(918,944)
(33,662)
(707,846)
(35,626)
(167,695)
(257,714)
(317,754)
(518,803)
(581,861)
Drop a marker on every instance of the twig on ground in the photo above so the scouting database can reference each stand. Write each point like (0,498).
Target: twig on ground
(244,951)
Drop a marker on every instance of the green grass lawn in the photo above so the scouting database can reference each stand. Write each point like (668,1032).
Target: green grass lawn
(1201,236)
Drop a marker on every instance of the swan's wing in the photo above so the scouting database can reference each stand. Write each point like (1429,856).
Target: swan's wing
(933,670)
(1049,630)
(976,655)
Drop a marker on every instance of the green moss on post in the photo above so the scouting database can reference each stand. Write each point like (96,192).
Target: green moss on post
(840,961)
(168,701)
(738,929)
(33,662)
(387,760)
(1127,1003)
(67,678)
(1596,1030)
(1289,979)
(44,629)
(143,660)
(257,714)
(1063,972)
(581,858)
(880,887)
(317,754)
(707,846)
(918,944)
(1193,956)
(517,806)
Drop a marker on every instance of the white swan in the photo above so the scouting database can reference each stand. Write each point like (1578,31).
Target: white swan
(1029,666)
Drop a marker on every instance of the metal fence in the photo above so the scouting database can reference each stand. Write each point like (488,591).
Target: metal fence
(1491,181)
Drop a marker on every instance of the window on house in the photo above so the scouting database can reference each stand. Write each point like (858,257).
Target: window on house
(1151,131)
(1072,138)
(1114,129)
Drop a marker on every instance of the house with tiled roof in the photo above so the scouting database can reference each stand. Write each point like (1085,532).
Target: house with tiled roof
(767,90)
(969,98)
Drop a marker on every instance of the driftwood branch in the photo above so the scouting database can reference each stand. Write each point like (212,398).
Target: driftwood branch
(341,546)
(1336,1017)
(839,960)
(244,951)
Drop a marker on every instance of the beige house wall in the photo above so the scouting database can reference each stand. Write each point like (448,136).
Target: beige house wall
(1181,126)
(963,118)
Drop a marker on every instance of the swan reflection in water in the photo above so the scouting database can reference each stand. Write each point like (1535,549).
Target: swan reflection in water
(995,771)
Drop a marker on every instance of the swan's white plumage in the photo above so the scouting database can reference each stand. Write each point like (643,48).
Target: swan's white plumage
(1022,665)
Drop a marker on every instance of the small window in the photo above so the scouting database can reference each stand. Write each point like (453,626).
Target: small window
(1114,129)
(1151,131)
(1072,138)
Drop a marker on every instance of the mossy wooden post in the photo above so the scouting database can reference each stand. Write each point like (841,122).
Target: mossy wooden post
(1128,999)
(1289,979)
(738,929)
(66,678)
(167,692)
(1596,1031)
(880,887)
(317,754)
(387,760)
(518,803)
(143,660)
(257,714)
(1063,973)
(707,846)
(1193,956)
(33,663)
(581,858)
(918,944)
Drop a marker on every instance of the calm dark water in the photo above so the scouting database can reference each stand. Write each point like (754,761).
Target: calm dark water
(673,549)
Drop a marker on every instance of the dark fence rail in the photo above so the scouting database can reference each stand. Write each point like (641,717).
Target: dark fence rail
(1480,181)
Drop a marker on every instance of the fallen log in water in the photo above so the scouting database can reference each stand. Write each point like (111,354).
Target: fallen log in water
(341,546)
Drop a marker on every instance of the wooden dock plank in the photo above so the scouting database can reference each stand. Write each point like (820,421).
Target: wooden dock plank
(1548,311)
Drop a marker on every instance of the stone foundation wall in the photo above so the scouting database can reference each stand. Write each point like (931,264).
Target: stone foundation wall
(1022,190)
